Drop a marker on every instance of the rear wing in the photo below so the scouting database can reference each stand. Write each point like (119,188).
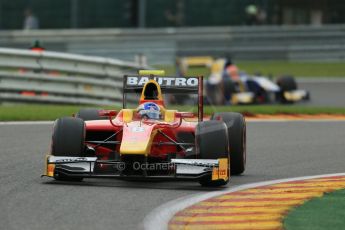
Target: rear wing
(197,61)
(175,85)
(215,65)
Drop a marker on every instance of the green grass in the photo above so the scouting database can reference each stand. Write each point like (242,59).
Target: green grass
(275,109)
(326,212)
(306,69)
(277,68)
(268,109)
(36,112)
(51,112)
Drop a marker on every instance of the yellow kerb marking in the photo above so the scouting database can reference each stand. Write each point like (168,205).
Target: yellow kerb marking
(252,203)
(286,190)
(228,218)
(258,208)
(237,210)
(245,226)
(278,195)
(312,184)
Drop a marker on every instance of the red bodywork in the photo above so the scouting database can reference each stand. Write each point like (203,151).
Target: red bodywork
(94,129)
(164,138)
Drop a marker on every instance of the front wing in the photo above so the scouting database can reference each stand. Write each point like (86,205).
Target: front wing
(180,169)
(296,95)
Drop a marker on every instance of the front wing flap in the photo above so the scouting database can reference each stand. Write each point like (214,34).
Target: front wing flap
(181,169)
(296,95)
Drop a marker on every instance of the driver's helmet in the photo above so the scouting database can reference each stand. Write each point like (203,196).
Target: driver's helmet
(149,110)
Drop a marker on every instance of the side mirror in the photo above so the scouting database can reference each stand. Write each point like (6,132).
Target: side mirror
(185,115)
(107,113)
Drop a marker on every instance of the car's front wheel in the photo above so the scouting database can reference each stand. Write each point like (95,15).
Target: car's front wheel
(68,140)
(286,83)
(236,126)
(212,143)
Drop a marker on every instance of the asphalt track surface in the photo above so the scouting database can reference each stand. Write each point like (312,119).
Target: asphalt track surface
(276,150)
(324,93)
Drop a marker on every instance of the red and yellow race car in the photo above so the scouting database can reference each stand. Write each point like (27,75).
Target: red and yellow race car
(149,141)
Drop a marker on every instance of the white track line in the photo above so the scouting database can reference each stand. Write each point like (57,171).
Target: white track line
(159,218)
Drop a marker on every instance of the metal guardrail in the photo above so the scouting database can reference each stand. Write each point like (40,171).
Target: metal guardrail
(52,77)
(162,45)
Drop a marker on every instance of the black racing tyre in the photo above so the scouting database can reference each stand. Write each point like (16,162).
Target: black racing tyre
(68,140)
(68,137)
(212,143)
(236,126)
(229,88)
(286,83)
(90,114)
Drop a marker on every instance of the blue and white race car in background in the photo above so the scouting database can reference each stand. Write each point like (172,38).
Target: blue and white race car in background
(259,89)
(244,89)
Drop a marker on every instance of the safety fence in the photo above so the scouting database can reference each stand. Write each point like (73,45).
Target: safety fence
(59,78)
(162,45)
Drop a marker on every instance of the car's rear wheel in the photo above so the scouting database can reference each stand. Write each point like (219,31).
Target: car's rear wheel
(68,140)
(212,143)
(90,114)
(229,88)
(236,127)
